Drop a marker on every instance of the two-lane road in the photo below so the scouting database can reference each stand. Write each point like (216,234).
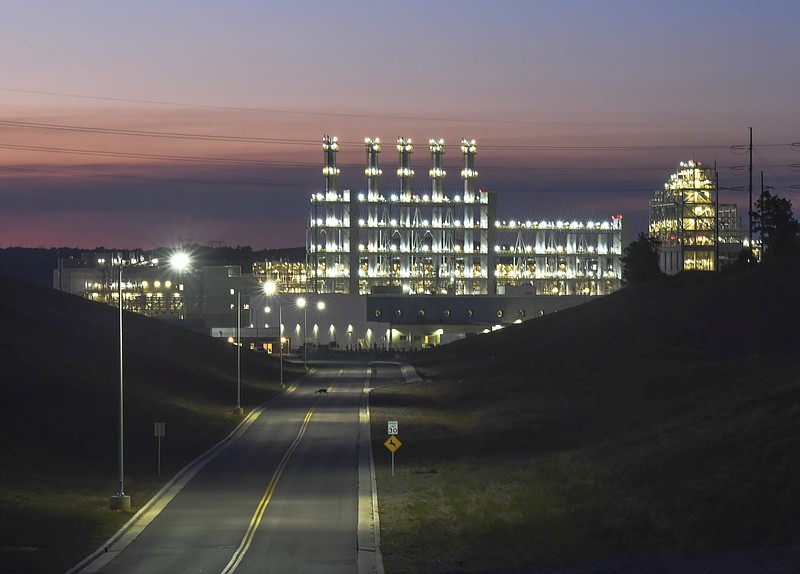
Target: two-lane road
(282,496)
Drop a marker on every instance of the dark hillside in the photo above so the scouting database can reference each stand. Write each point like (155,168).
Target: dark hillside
(661,420)
(34,264)
(59,429)
(751,312)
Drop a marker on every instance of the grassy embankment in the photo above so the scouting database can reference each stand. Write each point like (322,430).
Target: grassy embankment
(664,419)
(59,427)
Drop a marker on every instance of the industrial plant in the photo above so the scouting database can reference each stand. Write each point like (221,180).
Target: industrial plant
(695,232)
(428,242)
(411,267)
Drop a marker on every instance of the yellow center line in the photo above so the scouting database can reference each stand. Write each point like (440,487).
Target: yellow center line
(244,545)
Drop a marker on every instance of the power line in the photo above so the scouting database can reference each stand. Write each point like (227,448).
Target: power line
(132,155)
(304,142)
(255,162)
(283,111)
(306,187)
(311,165)
(71,173)
(153,134)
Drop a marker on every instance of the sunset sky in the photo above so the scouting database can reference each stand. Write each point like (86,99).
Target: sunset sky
(152,123)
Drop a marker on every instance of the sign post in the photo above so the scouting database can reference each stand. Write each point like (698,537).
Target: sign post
(393,443)
(159,430)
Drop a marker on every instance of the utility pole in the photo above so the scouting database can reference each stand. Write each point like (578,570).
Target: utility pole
(716,218)
(750,188)
(761,226)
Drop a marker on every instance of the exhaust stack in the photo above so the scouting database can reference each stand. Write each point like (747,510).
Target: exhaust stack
(404,172)
(469,173)
(330,145)
(437,173)
(372,171)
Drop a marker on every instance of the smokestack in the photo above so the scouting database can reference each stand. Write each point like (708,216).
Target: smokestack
(468,174)
(404,172)
(437,173)
(330,146)
(372,171)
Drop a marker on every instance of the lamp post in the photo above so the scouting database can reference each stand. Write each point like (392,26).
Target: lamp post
(301,302)
(320,307)
(280,339)
(181,262)
(120,501)
(270,289)
(238,410)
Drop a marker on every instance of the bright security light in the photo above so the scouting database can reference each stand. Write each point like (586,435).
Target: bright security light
(180,260)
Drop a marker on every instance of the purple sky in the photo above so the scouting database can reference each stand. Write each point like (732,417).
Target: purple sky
(580,109)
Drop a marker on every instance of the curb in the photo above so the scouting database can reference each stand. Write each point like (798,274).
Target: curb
(131,529)
(369,559)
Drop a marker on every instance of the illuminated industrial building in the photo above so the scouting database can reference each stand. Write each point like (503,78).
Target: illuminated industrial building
(398,269)
(558,257)
(292,276)
(430,243)
(402,241)
(696,233)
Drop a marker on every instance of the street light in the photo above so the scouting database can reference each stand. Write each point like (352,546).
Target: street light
(120,500)
(238,410)
(302,304)
(320,307)
(270,289)
(181,262)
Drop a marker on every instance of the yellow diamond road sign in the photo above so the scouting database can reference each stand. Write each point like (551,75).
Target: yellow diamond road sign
(393,443)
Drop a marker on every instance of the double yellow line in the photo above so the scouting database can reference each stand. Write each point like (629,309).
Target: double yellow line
(244,545)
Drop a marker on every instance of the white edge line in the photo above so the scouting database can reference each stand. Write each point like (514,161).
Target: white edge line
(131,529)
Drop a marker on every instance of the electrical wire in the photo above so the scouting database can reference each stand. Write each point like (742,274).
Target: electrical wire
(288,141)
(282,111)
(153,134)
(234,183)
(132,155)
(734,170)
(282,163)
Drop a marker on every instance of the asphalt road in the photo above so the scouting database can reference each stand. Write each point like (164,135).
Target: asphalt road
(282,495)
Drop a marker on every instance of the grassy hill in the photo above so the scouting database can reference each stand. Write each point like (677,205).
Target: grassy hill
(59,428)
(659,421)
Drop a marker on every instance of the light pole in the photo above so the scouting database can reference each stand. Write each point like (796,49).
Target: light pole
(280,339)
(270,289)
(320,307)
(238,410)
(181,262)
(301,302)
(120,501)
